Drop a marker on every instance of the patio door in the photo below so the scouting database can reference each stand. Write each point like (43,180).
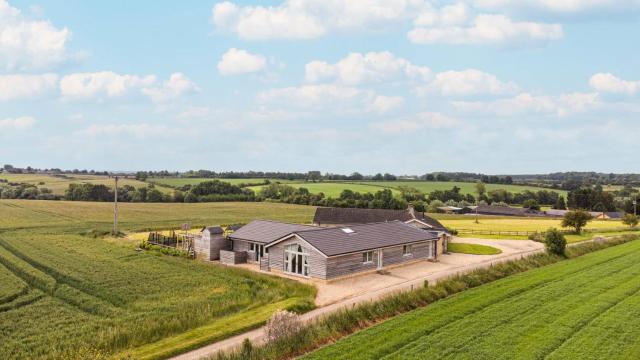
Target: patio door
(259,253)
(296,260)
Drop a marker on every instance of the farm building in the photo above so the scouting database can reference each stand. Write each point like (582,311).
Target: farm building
(351,216)
(504,211)
(606,215)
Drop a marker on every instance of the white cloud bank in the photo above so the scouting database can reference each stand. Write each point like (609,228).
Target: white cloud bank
(528,104)
(609,83)
(237,61)
(295,19)
(19,123)
(487,29)
(423,120)
(467,82)
(372,67)
(113,85)
(29,44)
(19,86)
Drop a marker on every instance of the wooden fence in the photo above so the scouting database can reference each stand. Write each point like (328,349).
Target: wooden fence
(527,233)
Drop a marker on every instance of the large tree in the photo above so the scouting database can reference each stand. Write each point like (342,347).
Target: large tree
(630,219)
(576,219)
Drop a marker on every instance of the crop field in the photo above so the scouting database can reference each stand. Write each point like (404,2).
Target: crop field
(58,184)
(584,308)
(64,294)
(467,222)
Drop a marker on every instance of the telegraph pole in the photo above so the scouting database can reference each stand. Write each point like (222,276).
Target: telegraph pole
(115,209)
(635,202)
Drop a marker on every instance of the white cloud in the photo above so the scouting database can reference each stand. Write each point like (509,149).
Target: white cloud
(488,29)
(318,97)
(177,85)
(382,104)
(29,44)
(105,83)
(24,86)
(237,61)
(19,123)
(607,82)
(372,67)
(450,15)
(135,130)
(295,19)
(526,103)
(559,6)
(409,124)
(194,112)
(467,82)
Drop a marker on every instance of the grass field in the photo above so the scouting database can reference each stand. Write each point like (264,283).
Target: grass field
(585,308)
(473,249)
(58,184)
(334,188)
(67,295)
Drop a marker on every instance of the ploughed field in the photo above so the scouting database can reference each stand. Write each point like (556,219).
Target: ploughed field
(67,294)
(585,308)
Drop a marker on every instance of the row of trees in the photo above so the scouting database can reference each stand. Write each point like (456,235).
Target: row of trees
(26,191)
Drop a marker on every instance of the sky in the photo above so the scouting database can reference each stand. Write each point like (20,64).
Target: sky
(399,86)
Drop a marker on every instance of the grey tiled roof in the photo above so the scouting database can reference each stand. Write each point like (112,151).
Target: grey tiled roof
(328,215)
(335,241)
(265,231)
(214,229)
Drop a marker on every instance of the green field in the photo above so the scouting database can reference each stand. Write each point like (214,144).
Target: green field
(473,249)
(67,295)
(177,182)
(58,184)
(585,308)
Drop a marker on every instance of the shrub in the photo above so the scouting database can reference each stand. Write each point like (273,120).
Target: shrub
(630,219)
(283,324)
(555,242)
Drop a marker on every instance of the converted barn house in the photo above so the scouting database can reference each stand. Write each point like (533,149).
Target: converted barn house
(253,237)
(328,253)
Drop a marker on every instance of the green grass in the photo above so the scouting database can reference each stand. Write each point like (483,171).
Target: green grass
(58,184)
(585,308)
(334,188)
(65,294)
(473,249)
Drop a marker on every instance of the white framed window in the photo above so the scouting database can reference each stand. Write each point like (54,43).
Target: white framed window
(296,260)
(252,247)
(367,257)
(407,250)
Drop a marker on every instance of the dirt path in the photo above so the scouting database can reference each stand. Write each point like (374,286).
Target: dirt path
(349,292)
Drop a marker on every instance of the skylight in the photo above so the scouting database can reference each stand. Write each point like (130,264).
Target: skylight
(348,230)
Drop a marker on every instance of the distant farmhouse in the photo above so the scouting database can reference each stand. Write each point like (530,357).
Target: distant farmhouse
(342,242)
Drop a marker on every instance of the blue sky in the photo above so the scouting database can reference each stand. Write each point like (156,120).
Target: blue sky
(401,86)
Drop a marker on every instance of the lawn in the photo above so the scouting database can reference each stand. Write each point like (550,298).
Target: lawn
(473,249)
(67,295)
(584,308)
(58,184)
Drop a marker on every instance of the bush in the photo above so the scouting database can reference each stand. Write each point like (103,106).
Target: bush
(537,237)
(555,242)
(630,219)
(576,219)
(283,324)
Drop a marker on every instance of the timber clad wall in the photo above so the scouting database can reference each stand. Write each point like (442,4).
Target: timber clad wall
(349,264)
(208,246)
(317,261)
(394,255)
(233,257)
